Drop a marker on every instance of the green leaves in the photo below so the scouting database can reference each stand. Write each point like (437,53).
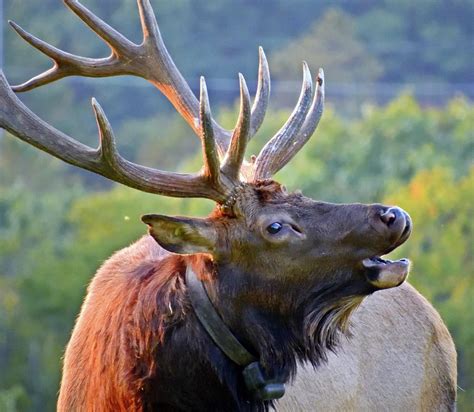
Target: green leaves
(365,160)
(332,43)
(441,247)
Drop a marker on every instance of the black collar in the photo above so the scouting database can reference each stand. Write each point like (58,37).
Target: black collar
(258,385)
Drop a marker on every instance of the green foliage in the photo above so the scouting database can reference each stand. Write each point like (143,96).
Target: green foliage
(36,289)
(109,220)
(10,398)
(415,39)
(332,43)
(365,160)
(163,141)
(441,248)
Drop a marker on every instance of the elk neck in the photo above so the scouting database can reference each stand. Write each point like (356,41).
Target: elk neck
(258,384)
(265,326)
(277,323)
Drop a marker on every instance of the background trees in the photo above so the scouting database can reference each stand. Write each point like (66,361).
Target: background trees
(57,224)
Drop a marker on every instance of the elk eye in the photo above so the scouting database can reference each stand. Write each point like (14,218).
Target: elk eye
(274,228)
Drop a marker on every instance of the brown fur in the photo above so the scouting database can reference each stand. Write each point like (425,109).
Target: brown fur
(135,297)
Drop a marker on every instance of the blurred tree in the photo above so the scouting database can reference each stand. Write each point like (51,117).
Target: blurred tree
(163,141)
(23,165)
(37,288)
(420,41)
(36,194)
(367,159)
(331,42)
(441,248)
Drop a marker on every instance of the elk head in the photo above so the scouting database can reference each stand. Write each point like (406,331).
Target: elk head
(288,254)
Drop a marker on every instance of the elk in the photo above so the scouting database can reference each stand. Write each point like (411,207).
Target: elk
(209,314)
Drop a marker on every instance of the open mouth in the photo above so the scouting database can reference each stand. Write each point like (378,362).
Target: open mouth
(385,273)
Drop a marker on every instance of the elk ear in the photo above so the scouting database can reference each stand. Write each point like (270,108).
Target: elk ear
(182,234)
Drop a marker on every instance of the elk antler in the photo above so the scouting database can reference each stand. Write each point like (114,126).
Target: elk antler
(149,60)
(223,150)
(210,183)
(302,123)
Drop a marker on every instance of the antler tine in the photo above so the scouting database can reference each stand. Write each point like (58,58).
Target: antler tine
(236,151)
(211,158)
(310,124)
(107,148)
(148,21)
(262,95)
(112,37)
(50,51)
(133,175)
(269,158)
(66,64)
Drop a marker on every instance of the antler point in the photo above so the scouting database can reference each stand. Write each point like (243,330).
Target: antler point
(307,81)
(320,77)
(262,57)
(95,104)
(100,114)
(16,26)
(243,88)
(203,96)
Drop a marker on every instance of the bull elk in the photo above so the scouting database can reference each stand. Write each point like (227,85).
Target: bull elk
(209,314)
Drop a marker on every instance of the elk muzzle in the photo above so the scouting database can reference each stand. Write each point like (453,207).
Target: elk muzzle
(384,273)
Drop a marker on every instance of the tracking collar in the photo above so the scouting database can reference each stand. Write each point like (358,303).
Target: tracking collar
(260,387)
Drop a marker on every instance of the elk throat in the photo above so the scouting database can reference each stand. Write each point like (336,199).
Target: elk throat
(327,318)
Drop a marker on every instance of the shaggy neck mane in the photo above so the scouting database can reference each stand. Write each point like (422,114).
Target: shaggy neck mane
(176,348)
(327,317)
(278,324)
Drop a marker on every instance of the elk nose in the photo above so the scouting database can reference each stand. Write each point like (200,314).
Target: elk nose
(392,223)
(391,215)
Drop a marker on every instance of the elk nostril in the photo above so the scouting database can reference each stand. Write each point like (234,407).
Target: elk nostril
(388,217)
